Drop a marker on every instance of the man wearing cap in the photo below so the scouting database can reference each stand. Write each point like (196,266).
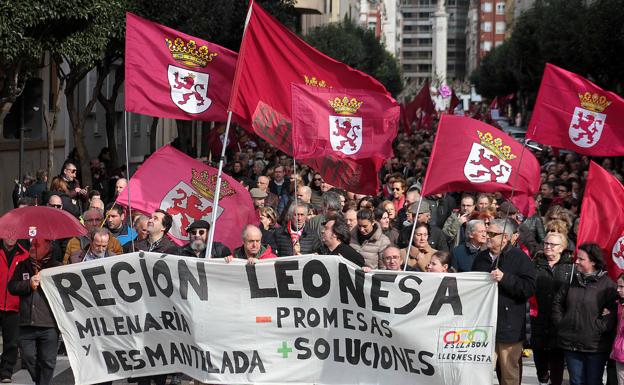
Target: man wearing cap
(437,239)
(258,196)
(198,240)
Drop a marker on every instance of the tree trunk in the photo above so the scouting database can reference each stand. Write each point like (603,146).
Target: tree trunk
(12,88)
(78,117)
(51,127)
(153,130)
(109,107)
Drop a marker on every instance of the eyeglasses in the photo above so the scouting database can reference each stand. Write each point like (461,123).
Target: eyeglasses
(493,234)
(198,232)
(72,170)
(396,189)
(55,206)
(548,244)
(318,179)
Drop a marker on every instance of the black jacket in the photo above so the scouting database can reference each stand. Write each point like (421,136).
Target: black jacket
(548,281)
(34,307)
(219,250)
(514,290)
(577,313)
(164,245)
(309,242)
(346,252)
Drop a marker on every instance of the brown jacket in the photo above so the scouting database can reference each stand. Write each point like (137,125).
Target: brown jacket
(78,244)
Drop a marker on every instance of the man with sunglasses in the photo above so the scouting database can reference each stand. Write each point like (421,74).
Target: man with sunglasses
(69,175)
(198,241)
(514,272)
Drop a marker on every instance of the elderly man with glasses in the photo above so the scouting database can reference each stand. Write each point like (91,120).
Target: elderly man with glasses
(92,219)
(514,272)
(198,241)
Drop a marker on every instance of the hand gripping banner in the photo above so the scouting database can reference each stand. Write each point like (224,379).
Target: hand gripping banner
(304,320)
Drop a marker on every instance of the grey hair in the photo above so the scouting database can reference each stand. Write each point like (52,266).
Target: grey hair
(293,207)
(96,210)
(470,225)
(101,231)
(331,201)
(505,225)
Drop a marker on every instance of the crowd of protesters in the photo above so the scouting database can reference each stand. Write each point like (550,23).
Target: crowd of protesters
(565,309)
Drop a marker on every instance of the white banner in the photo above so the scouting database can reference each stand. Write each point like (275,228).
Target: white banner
(304,320)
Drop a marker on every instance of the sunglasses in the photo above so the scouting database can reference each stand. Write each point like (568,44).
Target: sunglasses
(55,206)
(318,179)
(73,171)
(396,189)
(493,234)
(198,232)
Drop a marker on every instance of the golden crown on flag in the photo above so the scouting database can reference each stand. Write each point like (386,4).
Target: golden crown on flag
(206,185)
(496,146)
(594,102)
(345,106)
(188,54)
(314,82)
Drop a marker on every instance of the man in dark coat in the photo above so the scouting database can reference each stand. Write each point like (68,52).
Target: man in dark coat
(336,237)
(515,274)
(295,238)
(463,255)
(157,241)
(198,233)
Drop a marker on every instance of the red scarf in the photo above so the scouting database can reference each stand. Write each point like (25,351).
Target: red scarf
(294,235)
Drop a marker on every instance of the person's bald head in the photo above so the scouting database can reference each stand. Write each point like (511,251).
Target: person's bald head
(252,237)
(304,194)
(120,185)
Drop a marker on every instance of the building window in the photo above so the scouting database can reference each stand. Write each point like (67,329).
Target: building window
(487,7)
(500,27)
(486,26)
(500,8)
(486,46)
(498,43)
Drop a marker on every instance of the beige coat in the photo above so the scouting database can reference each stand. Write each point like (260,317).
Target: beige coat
(372,248)
(419,258)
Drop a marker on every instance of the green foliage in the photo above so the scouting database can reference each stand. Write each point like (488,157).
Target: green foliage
(218,21)
(359,48)
(580,36)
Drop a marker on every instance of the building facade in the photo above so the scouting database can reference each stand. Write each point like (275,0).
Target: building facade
(417,39)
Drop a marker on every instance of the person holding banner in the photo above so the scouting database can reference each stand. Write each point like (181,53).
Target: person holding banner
(336,237)
(515,274)
(419,254)
(584,313)
(295,237)
(252,248)
(38,331)
(157,241)
(368,239)
(198,233)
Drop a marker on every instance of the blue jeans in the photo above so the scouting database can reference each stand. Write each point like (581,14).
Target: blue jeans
(585,368)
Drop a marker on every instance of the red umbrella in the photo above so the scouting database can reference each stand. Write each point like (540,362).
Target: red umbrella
(40,222)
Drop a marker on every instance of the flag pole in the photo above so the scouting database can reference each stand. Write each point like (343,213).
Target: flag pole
(128,176)
(513,190)
(217,192)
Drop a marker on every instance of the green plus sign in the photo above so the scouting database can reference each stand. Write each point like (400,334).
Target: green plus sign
(284,350)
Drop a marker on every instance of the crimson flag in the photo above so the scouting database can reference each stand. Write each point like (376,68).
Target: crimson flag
(602,217)
(421,110)
(271,59)
(173,75)
(215,138)
(346,123)
(469,155)
(184,187)
(573,113)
